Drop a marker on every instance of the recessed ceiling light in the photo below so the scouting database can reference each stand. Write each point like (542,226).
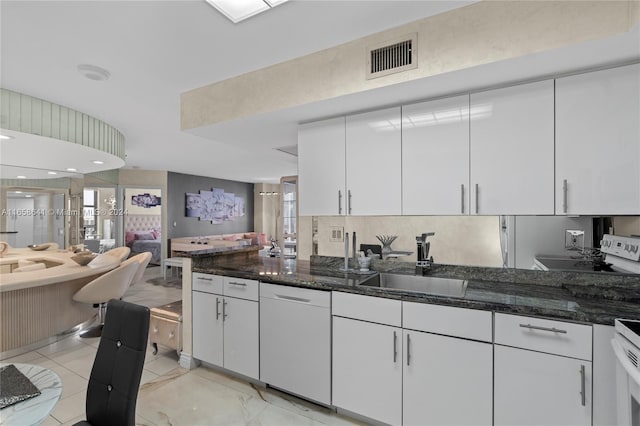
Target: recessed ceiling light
(5,137)
(21,177)
(97,162)
(52,173)
(238,10)
(93,72)
(71,169)
(17,192)
(27,196)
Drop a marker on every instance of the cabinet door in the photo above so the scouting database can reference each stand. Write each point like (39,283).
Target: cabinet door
(598,142)
(374,185)
(447,381)
(241,348)
(207,327)
(367,369)
(533,388)
(435,157)
(321,168)
(512,148)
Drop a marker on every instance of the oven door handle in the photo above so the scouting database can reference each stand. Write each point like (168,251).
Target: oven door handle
(624,361)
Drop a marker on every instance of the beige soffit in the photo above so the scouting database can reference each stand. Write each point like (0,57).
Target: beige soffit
(46,136)
(477,34)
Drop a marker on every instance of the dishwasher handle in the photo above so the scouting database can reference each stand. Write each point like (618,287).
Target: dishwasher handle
(292,298)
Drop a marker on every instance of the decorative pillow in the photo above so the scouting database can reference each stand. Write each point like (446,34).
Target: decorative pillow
(156,234)
(230,237)
(129,236)
(253,237)
(144,236)
(262,239)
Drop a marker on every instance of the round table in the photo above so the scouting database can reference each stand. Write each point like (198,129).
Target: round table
(34,410)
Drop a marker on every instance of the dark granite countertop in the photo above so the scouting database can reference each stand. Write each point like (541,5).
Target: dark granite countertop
(583,297)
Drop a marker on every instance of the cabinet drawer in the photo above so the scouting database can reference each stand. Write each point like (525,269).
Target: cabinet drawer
(207,283)
(240,288)
(367,308)
(447,320)
(550,336)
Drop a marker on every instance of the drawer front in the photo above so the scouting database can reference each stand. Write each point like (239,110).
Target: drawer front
(240,288)
(550,336)
(306,296)
(447,320)
(165,332)
(367,308)
(207,283)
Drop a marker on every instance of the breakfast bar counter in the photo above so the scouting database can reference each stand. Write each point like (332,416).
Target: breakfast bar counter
(37,305)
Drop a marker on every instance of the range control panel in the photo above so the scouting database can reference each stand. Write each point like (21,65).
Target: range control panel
(625,247)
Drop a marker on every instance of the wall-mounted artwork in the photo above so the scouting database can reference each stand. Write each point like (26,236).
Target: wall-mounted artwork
(143,201)
(146,200)
(215,206)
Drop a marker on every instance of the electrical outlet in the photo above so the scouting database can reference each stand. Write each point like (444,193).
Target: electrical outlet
(337,234)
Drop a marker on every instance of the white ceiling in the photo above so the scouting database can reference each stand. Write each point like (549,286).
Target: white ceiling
(155,50)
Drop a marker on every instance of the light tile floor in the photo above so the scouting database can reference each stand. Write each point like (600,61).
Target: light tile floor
(170,395)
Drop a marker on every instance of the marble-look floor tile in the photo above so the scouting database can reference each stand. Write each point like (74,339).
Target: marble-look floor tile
(276,416)
(72,383)
(72,353)
(81,365)
(25,358)
(64,344)
(229,380)
(162,365)
(207,403)
(70,407)
(50,421)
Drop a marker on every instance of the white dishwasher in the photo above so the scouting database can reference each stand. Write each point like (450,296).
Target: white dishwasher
(295,340)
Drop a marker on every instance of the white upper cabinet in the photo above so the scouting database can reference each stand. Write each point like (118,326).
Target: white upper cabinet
(512,164)
(321,168)
(598,142)
(435,157)
(373,173)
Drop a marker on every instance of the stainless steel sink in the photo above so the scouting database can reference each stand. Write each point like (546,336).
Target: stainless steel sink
(419,284)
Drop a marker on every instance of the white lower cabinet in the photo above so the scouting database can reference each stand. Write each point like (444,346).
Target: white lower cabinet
(534,388)
(446,380)
(543,372)
(225,329)
(367,369)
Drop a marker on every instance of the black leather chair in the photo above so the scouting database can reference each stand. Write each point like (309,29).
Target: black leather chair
(112,391)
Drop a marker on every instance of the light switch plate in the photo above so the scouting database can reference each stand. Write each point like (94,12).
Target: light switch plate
(337,234)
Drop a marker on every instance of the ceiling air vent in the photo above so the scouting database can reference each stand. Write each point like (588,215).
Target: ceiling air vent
(394,56)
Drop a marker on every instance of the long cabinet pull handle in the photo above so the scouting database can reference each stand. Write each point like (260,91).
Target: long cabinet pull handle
(395,346)
(237,283)
(217,308)
(583,386)
(462,198)
(205,279)
(292,298)
(224,309)
(349,195)
(536,327)
(339,202)
(564,195)
(408,349)
(477,201)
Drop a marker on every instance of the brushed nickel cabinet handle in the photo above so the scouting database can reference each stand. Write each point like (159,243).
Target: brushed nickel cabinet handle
(224,309)
(551,329)
(462,198)
(477,201)
(583,386)
(237,283)
(564,196)
(395,346)
(339,202)
(349,195)
(217,308)
(408,349)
